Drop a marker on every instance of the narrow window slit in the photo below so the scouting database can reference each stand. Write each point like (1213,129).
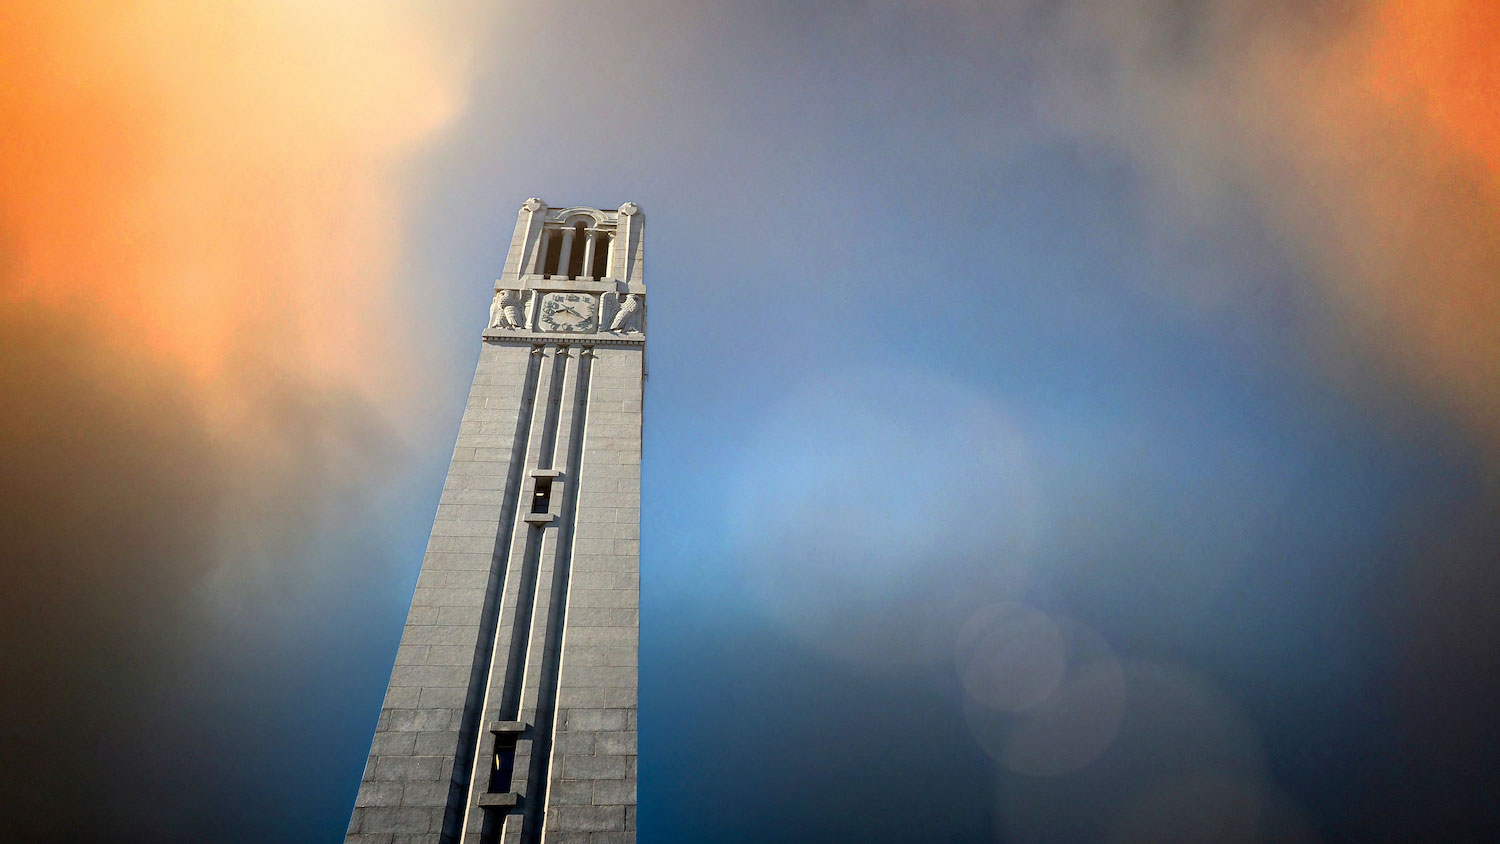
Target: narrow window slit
(541,500)
(503,769)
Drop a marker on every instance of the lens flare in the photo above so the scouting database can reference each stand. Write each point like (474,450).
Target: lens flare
(874,543)
(1073,696)
(1010,657)
(1175,727)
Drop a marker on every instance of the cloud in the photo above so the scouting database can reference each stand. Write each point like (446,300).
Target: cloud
(109,489)
(221,180)
(207,360)
(1364,136)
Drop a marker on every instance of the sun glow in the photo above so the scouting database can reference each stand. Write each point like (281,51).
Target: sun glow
(191,178)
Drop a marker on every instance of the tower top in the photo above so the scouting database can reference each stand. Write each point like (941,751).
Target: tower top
(574,272)
(576,247)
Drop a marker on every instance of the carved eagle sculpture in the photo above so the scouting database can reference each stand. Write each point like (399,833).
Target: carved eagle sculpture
(627,319)
(506,311)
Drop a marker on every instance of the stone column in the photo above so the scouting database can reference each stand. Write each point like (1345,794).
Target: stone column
(538,259)
(564,256)
(587,270)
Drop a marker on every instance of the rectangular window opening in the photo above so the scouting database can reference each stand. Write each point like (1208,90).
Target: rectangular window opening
(502,772)
(541,500)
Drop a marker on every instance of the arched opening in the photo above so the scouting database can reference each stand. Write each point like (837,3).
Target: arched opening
(575,250)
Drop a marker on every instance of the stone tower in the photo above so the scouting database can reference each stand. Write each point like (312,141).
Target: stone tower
(511,711)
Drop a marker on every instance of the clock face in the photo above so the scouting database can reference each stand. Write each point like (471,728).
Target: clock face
(569,312)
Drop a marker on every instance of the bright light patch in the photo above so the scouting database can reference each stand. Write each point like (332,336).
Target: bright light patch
(873,507)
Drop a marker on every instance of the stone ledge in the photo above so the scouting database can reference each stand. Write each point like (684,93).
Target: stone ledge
(535,337)
(508,727)
(508,800)
(540,519)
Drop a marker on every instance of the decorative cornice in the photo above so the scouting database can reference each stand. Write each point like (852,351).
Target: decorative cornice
(533,337)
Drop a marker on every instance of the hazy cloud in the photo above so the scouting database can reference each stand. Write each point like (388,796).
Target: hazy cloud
(205,370)
(1363,133)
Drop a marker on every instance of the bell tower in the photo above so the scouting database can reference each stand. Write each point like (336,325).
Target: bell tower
(511,710)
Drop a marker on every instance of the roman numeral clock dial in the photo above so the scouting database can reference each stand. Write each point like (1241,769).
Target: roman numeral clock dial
(569,312)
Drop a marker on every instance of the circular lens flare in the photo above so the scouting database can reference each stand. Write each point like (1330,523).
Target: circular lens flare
(1011,657)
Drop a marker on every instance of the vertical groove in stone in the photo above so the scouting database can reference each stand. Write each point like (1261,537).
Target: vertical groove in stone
(549,433)
(510,699)
(529,600)
(520,633)
(468,734)
(546,710)
(505,672)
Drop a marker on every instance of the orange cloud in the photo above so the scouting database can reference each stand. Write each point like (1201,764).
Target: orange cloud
(210,181)
(210,196)
(1406,155)
(1371,144)
(1443,57)
(200,230)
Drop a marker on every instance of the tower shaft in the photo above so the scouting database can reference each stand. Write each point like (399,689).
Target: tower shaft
(511,709)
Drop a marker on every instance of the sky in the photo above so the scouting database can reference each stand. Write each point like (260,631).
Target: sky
(1067,421)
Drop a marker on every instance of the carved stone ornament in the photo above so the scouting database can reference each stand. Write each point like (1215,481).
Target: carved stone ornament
(532,204)
(506,310)
(629,318)
(532,300)
(629,209)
